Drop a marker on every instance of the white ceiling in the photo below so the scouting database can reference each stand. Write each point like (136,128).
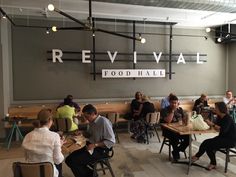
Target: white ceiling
(79,9)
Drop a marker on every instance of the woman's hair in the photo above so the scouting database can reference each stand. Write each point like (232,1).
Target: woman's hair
(136,94)
(145,98)
(44,116)
(222,107)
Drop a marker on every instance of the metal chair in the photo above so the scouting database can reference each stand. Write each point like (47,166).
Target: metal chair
(43,169)
(152,120)
(63,124)
(166,141)
(229,152)
(104,163)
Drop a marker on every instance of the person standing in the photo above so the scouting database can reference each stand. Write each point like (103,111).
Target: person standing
(101,140)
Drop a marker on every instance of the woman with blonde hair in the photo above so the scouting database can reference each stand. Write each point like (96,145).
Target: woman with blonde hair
(148,106)
(43,145)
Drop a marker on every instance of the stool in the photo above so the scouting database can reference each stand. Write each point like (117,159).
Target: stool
(166,141)
(16,129)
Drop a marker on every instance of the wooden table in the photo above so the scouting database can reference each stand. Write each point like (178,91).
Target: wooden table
(73,143)
(186,130)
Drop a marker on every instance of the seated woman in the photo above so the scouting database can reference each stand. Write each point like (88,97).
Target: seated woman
(225,139)
(136,106)
(148,107)
(43,145)
(69,112)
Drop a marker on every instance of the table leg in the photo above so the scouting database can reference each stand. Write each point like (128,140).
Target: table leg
(9,138)
(190,153)
(19,133)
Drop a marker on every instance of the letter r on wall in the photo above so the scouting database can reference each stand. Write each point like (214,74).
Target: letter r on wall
(56,55)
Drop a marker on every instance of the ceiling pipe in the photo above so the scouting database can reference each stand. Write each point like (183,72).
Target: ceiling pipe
(89,27)
(4,14)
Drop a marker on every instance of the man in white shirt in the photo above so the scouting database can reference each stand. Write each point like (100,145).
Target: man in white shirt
(229,99)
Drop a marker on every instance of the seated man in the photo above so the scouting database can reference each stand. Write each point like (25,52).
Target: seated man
(229,99)
(174,113)
(165,102)
(101,139)
(200,103)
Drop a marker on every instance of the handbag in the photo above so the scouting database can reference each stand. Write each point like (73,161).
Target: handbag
(198,123)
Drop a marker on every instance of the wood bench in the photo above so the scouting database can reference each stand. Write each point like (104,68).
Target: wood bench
(30,111)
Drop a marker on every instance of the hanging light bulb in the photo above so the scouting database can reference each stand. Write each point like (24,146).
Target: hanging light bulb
(4,16)
(51,7)
(54,28)
(143,40)
(208,30)
(47,31)
(219,39)
(140,36)
(93,34)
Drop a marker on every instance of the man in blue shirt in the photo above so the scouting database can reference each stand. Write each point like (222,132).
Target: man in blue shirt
(165,102)
(101,139)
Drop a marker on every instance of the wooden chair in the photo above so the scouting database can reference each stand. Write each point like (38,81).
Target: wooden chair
(229,152)
(113,117)
(43,169)
(104,163)
(62,124)
(166,141)
(152,120)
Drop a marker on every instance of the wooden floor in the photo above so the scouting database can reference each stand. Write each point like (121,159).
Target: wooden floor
(132,159)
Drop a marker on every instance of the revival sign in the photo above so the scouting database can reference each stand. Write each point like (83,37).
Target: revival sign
(124,73)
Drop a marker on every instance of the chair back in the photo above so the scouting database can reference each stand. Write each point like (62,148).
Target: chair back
(43,169)
(63,124)
(153,118)
(113,117)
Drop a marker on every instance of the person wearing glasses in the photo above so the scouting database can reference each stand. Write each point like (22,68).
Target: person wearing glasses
(101,139)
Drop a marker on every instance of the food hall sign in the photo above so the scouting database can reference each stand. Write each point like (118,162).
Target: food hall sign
(124,73)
